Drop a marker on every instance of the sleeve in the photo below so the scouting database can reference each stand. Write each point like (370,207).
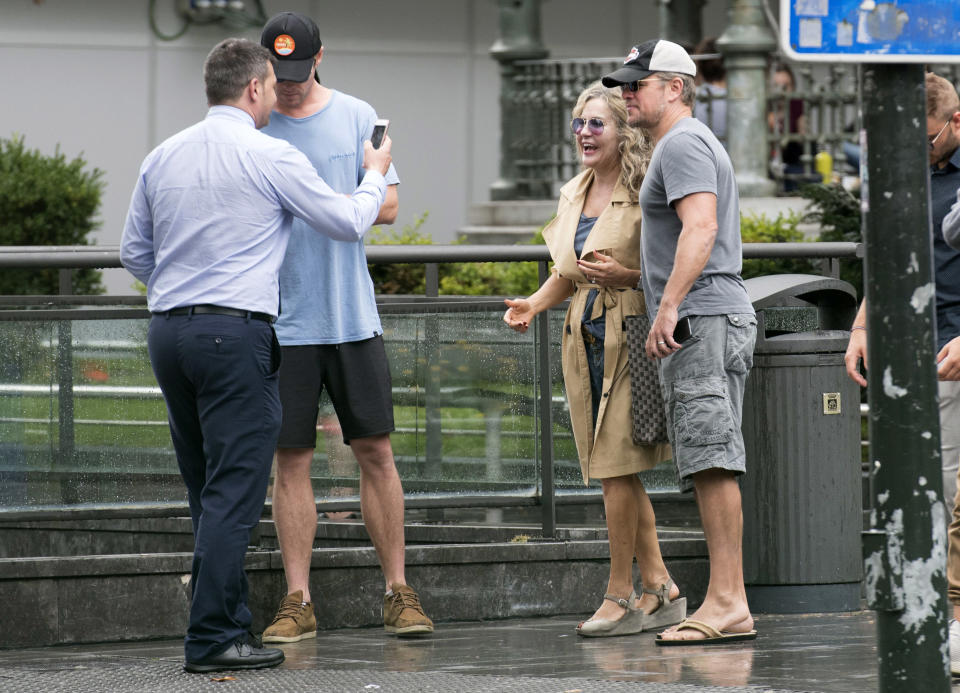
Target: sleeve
(304,194)
(951,225)
(692,167)
(136,244)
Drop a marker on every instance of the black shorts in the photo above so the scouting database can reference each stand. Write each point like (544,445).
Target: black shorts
(357,378)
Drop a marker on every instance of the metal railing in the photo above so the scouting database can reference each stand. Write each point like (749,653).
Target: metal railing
(431,395)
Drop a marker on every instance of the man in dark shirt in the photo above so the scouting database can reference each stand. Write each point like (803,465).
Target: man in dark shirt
(943,134)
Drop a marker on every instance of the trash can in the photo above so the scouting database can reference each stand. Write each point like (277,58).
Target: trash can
(802,504)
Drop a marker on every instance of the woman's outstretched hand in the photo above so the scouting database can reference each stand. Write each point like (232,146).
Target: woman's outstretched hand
(519,314)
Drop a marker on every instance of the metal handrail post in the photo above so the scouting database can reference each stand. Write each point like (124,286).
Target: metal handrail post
(547,494)
(67,443)
(432,402)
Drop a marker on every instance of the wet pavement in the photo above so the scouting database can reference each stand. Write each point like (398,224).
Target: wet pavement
(827,653)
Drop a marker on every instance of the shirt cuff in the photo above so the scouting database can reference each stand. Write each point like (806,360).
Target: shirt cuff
(376,178)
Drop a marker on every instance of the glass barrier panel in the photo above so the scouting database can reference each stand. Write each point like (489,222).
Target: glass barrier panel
(108,443)
(465,395)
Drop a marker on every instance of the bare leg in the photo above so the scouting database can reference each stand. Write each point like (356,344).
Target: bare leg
(295,515)
(725,605)
(653,571)
(381,502)
(631,529)
(620,505)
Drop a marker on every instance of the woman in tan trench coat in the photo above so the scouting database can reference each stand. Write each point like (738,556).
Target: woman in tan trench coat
(595,244)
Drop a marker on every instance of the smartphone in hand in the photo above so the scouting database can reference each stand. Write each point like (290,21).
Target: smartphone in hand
(682,332)
(379,130)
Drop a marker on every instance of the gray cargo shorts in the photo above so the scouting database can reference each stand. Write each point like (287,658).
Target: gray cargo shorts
(703,386)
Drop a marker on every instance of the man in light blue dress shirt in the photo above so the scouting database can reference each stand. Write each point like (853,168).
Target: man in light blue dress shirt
(206,231)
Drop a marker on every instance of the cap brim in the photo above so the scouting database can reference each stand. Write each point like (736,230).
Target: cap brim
(294,70)
(625,75)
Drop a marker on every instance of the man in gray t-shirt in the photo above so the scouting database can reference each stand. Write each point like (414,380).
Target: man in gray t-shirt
(688,160)
(703,326)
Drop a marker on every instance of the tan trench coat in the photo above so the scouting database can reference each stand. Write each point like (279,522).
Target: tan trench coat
(607,450)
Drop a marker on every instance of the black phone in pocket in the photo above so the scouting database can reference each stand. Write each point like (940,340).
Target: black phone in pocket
(681,332)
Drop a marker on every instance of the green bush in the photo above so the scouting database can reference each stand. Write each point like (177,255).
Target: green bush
(837,210)
(492,278)
(399,278)
(456,278)
(783,229)
(46,200)
(521,278)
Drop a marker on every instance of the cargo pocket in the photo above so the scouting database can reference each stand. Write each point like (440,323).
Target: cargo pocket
(702,411)
(741,335)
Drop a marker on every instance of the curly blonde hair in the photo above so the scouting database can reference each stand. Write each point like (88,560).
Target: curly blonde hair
(634,144)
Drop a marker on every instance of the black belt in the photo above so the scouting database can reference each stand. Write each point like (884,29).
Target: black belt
(217,310)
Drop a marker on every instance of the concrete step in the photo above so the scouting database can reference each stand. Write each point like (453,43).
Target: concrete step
(497,235)
(511,213)
(515,221)
(138,596)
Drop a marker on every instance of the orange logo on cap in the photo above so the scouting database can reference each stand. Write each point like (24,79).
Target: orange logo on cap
(284,44)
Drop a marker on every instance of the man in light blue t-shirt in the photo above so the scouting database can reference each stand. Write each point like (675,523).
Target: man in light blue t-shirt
(330,336)
(703,325)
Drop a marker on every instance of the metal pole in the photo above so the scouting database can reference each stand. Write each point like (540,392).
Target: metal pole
(905,551)
(432,379)
(680,21)
(519,40)
(65,379)
(745,45)
(547,496)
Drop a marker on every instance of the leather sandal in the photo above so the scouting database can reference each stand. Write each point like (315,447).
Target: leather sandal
(630,623)
(667,612)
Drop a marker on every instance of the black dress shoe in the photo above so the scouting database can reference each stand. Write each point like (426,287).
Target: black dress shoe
(243,654)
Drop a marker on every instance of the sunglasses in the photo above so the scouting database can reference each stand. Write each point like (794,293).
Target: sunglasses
(595,125)
(635,86)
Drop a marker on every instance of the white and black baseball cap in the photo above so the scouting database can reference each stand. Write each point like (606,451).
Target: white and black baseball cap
(656,55)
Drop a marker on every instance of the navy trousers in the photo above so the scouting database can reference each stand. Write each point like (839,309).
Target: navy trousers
(218,374)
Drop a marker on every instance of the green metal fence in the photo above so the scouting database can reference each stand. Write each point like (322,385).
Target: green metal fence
(820,115)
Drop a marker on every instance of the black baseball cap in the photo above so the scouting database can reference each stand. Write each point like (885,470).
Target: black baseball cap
(657,55)
(294,40)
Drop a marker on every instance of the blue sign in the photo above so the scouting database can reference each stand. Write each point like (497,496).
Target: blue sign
(871,31)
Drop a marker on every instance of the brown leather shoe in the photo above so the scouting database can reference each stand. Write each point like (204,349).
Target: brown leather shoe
(294,621)
(402,613)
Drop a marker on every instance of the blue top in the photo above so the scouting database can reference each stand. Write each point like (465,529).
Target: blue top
(326,292)
(212,210)
(584,227)
(944,183)
(598,327)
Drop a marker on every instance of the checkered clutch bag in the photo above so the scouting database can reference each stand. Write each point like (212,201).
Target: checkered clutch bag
(646,398)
